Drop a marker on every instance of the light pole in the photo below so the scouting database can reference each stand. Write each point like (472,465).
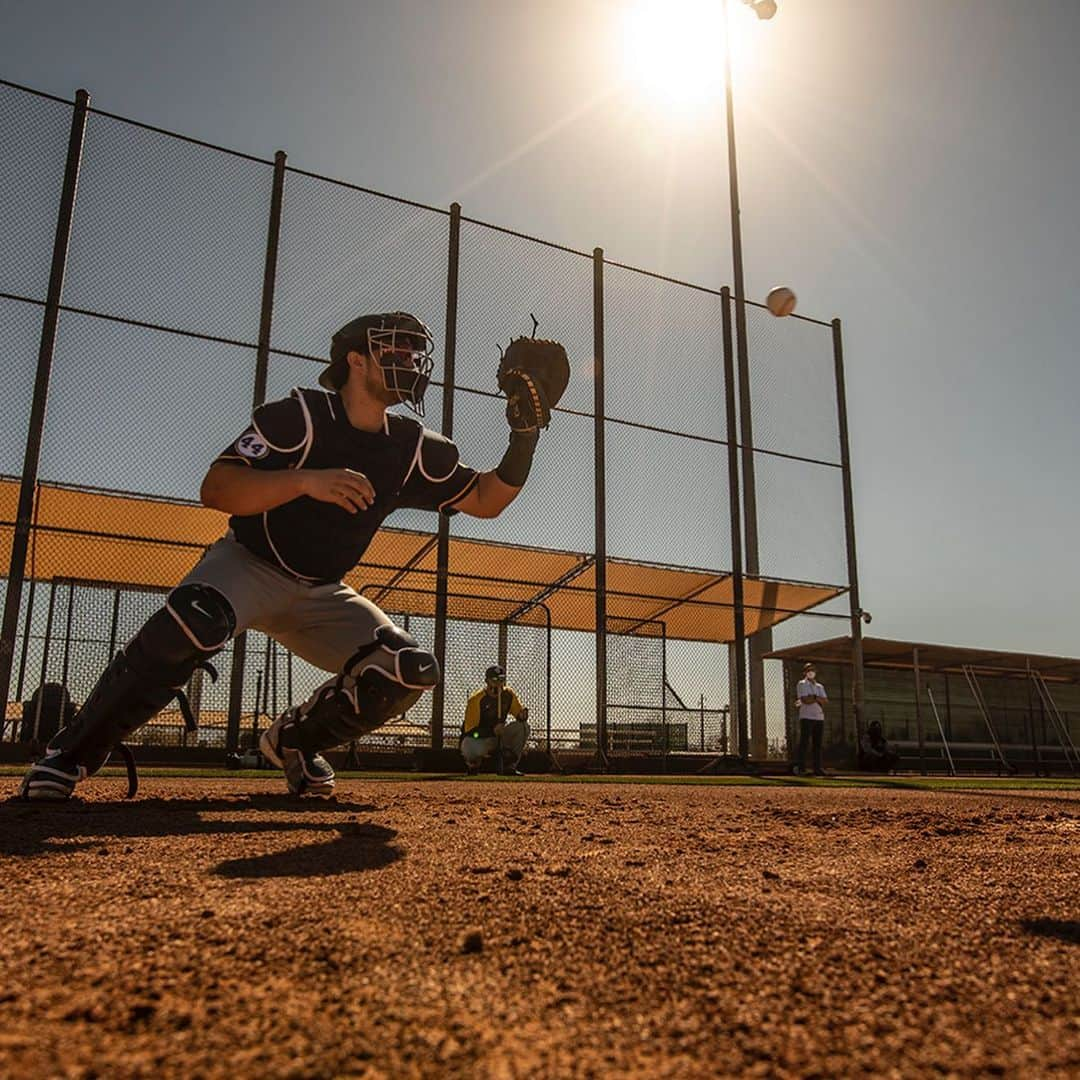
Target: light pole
(761,641)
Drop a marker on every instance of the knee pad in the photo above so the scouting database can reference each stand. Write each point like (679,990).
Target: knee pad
(196,622)
(396,652)
(381,680)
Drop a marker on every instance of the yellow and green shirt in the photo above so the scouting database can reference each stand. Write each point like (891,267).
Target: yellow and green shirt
(485,710)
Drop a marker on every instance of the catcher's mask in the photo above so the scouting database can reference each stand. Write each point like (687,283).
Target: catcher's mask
(495,677)
(398,342)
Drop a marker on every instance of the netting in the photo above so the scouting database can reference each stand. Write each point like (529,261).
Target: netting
(154,371)
(168,232)
(637,719)
(33,144)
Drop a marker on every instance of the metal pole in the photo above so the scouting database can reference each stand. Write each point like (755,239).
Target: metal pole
(114,623)
(236,695)
(48,634)
(262,367)
(663,691)
(789,719)
(944,741)
(948,708)
(761,641)
(504,644)
(1036,757)
(738,694)
(919,734)
(600,506)
(857,681)
(26,639)
(442,558)
(20,540)
(266,314)
(67,633)
(547,692)
(255,711)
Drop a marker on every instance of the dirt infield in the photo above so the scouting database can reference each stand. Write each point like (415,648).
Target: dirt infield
(213,928)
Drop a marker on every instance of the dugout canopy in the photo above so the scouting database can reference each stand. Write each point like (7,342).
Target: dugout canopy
(150,543)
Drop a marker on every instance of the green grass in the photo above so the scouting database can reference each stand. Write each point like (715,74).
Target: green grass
(918,783)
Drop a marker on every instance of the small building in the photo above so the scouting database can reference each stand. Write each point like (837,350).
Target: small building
(946,706)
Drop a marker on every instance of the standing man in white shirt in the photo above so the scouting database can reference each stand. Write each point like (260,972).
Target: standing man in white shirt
(811,702)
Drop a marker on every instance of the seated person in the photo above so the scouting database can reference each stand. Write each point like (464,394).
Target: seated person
(49,709)
(876,753)
(486,731)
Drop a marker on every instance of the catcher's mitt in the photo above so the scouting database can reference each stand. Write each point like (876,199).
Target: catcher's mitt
(533,375)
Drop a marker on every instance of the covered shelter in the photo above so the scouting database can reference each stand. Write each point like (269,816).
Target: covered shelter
(148,543)
(1014,709)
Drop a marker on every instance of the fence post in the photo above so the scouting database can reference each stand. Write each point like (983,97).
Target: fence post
(504,644)
(25,641)
(919,732)
(857,680)
(442,557)
(663,694)
(547,692)
(20,540)
(262,367)
(600,507)
(67,633)
(266,315)
(738,688)
(761,641)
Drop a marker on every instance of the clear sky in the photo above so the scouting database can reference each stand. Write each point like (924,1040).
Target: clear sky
(908,165)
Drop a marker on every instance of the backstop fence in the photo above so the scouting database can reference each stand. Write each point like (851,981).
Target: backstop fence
(692,493)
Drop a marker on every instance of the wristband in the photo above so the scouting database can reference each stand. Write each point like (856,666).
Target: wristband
(513,470)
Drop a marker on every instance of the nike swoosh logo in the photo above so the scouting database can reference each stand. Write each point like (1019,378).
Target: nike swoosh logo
(425,667)
(199,609)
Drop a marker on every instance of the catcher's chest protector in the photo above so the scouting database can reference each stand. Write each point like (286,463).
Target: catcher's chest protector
(321,541)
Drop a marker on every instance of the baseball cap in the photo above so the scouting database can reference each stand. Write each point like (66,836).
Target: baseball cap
(494,672)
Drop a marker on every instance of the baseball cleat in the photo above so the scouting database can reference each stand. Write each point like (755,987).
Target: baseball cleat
(53,778)
(306,773)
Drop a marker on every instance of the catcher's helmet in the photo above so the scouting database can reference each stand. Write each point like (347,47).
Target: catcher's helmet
(387,337)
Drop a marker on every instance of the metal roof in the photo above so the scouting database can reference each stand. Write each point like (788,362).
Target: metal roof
(899,655)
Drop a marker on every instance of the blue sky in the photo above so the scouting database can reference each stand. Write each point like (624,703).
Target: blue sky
(909,166)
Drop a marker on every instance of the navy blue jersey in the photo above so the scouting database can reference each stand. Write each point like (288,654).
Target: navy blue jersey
(407,465)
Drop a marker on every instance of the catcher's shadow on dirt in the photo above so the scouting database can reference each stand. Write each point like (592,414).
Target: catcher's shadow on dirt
(36,829)
(357,848)
(1061,929)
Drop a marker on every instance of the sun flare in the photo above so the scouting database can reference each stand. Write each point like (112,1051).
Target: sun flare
(673,50)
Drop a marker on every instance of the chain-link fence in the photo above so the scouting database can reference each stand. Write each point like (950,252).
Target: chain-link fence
(688,497)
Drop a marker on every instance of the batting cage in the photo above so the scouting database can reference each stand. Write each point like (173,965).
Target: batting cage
(687,507)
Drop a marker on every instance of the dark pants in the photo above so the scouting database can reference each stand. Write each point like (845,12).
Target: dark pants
(810,730)
(881,761)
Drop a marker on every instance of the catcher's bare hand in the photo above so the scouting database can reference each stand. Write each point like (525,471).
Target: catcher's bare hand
(350,490)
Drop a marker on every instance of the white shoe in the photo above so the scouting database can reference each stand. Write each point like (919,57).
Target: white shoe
(306,773)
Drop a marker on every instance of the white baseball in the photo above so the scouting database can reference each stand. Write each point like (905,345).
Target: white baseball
(780,301)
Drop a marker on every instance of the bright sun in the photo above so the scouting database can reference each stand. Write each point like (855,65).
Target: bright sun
(673,49)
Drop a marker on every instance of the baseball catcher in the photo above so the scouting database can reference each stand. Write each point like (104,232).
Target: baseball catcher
(488,730)
(307,485)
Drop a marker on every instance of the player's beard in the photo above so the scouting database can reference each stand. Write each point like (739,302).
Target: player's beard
(377,388)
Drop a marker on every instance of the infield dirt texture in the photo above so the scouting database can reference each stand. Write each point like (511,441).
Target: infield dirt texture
(213,928)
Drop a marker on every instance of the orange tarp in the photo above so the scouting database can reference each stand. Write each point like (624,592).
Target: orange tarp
(151,543)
